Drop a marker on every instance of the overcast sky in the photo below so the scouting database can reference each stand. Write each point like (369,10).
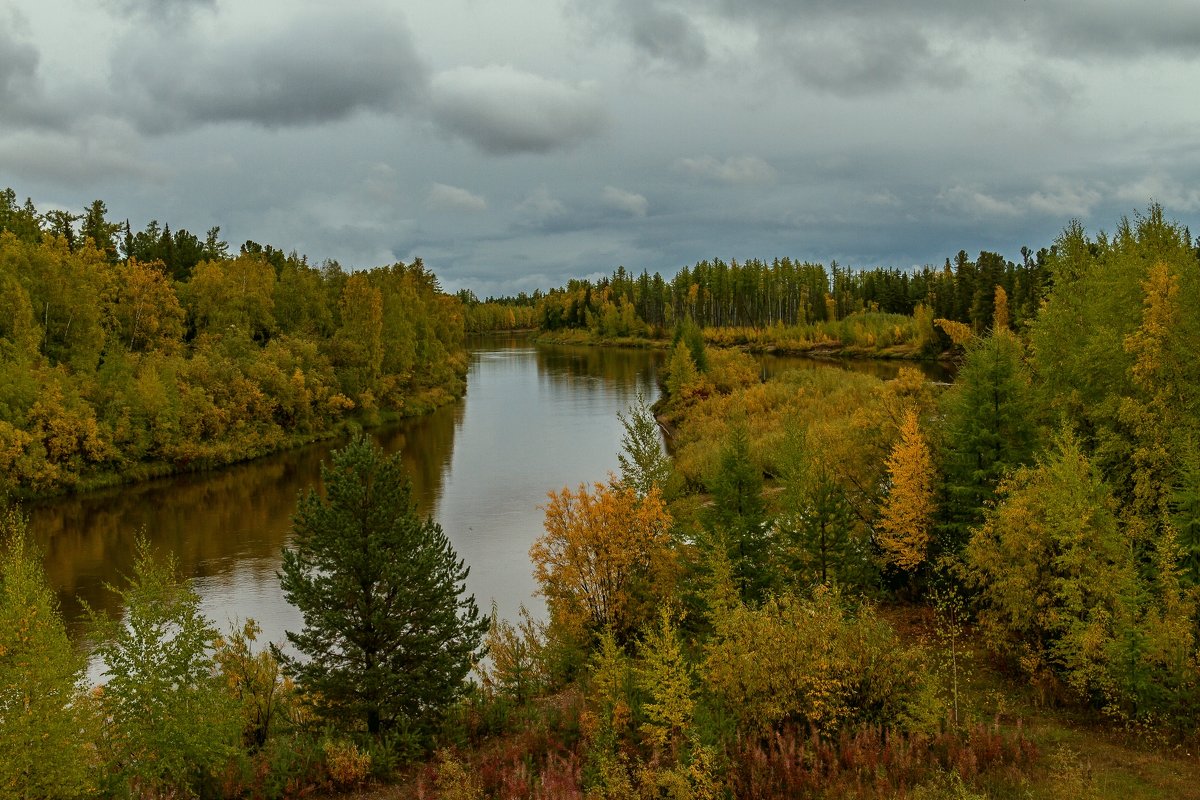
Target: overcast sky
(514,144)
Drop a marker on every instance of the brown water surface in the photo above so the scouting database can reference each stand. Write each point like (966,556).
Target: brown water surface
(535,419)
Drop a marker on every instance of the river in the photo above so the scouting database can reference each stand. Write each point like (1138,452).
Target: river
(535,419)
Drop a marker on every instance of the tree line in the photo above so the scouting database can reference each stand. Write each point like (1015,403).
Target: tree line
(757,295)
(125,354)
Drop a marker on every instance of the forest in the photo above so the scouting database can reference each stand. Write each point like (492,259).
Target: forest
(824,585)
(785,305)
(125,355)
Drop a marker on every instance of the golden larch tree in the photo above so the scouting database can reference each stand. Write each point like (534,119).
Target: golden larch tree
(1000,310)
(907,517)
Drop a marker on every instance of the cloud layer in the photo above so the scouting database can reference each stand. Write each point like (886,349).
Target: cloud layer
(538,140)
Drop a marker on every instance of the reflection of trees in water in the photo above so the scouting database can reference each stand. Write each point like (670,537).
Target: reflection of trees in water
(234,519)
(426,445)
(619,368)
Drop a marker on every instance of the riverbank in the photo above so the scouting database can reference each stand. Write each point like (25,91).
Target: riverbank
(249,449)
(760,345)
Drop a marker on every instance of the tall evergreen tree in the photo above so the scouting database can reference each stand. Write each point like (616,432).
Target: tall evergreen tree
(389,634)
(990,427)
(738,514)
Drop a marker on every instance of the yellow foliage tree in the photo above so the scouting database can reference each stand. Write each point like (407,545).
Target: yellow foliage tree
(811,662)
(605,558)
(959,332)
(147,314)
(1000,310)
(907,519)
(667,679)
(1154,416)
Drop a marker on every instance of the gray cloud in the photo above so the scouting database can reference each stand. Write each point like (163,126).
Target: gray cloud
(1110,28)
(658,30)
(667,34)
(866,58)
(443,197)
(858,47)
(1169,191)
(100,157)
(502,110)
(540,206)
(314,69)
(22,99)
(631,203)
(18,64)
(1099,27)
(735,169)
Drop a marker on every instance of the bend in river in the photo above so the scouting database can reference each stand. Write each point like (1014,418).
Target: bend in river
(535,419)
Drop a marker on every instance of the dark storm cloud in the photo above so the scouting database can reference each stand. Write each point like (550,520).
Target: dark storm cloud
(315,69)
(667,34)
(504,111)
(18,67)
(22,99)
(857,47)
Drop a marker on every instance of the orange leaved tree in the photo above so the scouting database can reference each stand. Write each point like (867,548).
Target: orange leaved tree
(906,521)
(605,560)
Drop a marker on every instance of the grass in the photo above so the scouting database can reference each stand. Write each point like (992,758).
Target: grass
(1083,755)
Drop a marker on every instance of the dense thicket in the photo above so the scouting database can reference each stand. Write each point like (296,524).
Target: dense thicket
(123,354)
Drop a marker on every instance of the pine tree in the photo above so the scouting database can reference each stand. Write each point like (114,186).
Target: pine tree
(388,634)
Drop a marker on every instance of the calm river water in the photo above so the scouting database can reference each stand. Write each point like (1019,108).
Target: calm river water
(535,419)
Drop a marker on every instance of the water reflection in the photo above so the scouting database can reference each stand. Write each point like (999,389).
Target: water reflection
(535,419)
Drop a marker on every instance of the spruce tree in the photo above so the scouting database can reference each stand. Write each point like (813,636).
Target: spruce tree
(738,514)
(990,428)
(389,634)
